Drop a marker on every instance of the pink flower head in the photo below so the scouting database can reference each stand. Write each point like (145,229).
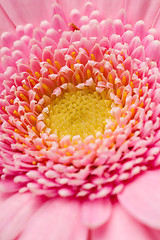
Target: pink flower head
(80,120)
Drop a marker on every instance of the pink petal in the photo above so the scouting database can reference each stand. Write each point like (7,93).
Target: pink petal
(109,8)
(121,226)
(153,50)
(7,23)
(95,213)
(27,11)
(96,51)
(142,198)
(142,10)
(153,13)
(8,187)
(15,212)
(139,53)
(16,209)
(155,234)
(139,29)
(56,220)
(58,23)
(69,5)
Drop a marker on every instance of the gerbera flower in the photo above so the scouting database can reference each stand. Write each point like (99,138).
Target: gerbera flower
(80,120)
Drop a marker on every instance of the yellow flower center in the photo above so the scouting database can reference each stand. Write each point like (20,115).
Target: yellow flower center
(79,112)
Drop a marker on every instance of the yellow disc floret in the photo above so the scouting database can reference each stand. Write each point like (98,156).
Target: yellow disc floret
(79,112)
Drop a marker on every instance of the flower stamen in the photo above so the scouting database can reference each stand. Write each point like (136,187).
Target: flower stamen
(79,112)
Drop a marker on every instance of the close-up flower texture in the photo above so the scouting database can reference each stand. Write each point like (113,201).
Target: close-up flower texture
(80,120)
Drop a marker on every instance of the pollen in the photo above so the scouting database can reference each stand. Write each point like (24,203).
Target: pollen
(68,154)
(35,130)
(27,109)
(65,145)
(79,112)
(89,73)
(17,131)
(48,91)
(93,57)
(23,97)
(49,61)
(15,113)
(110,78)
(111,62)
(50,71)
(33,118)
(38,75)
(77,77)
(124,81)
(102,69)
(72,67)
(124,97)
(37,97)
(113,128)
(119,93)
(73,54)
(32,82)
(132,112)
(25,87)
(99,78)
(38,147)
(132,85)
(38,108)
(137,73)
(63,80)
(140,92)
(58,65)
(141,105)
